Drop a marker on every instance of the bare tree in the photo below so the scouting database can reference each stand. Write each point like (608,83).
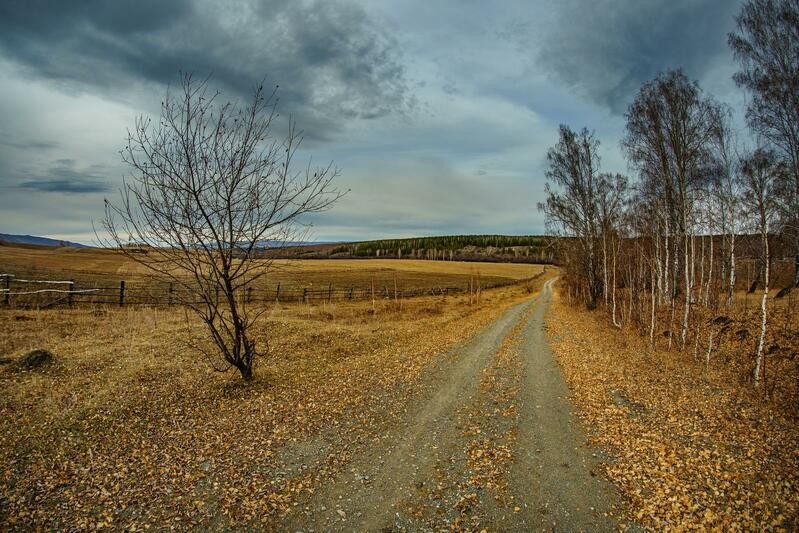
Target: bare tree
(725,196)
(670,127)
(611,192)
(211,186)
(760,173)
(571,206)
(766,44)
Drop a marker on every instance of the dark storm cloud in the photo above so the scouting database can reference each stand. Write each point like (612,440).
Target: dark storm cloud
(63,177)
(73,186)
(27,144)
(605,49)
(331,61)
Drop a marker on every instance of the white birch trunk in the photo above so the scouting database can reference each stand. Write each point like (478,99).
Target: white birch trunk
(652,313)
(731,284)
(615,323)
(709,273)
(605,267)
(658,268)
(687,306)
(759,365)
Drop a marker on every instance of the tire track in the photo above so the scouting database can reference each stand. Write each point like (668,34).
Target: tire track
(390,473)
(553,479)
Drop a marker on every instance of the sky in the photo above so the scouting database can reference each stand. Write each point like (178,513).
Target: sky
(438,113)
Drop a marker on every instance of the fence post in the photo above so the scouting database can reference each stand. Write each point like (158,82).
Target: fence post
(69,294)
(122,292)
(248,295)
(304,294)
(277,292)
(7,296)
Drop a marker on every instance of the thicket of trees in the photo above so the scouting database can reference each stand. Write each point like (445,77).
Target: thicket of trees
(668,239)
(451,247)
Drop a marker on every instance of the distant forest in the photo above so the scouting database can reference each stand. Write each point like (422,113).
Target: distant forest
(523,248)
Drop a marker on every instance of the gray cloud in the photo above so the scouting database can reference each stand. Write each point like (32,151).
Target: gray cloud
(63,177)
(439,113)
(331,61)
(28,144)
(605,49)
(73,186)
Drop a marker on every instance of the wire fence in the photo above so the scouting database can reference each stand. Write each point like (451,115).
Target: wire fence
(38,293)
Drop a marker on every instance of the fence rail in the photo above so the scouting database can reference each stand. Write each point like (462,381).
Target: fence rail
(16,292)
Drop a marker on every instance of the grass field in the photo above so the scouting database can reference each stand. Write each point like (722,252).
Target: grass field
(130,428)
(93,264)
(339,278)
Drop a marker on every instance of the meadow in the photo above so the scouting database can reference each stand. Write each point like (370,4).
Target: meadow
(128,427)
(99,272)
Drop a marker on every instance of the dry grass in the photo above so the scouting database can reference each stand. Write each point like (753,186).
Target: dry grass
(98,262)
(338,279)
(129,428)
(690,446)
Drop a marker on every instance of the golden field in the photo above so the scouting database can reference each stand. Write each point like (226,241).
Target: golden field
(128,428)
(98,267)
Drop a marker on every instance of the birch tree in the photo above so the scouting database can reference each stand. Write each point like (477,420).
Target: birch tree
(766,45)
(571,206)
(670,126)
(760,173)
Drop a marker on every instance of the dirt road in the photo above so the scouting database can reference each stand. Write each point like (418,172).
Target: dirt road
(489,443)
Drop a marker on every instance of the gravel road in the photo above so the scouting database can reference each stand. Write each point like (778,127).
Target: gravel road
(500,389)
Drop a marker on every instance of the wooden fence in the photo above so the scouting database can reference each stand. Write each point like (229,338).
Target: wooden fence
(34,293)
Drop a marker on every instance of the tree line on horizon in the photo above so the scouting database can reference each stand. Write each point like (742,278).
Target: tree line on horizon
(453,247)
(667,236)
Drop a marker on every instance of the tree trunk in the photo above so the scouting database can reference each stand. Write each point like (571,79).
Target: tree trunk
(731,284)
(652,313)
(686,296)
(701,269)
(245,371)
(759,363)
(605,267)
(710,275)
(615,323)
(796,270)
(666,268)
(658,268)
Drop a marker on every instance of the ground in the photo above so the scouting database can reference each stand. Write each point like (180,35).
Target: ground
(128,427)
(488,442)
(690,444)
(512,412)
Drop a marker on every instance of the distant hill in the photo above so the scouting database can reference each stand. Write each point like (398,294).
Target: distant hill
(289,244)
(31,240)
(495,248)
